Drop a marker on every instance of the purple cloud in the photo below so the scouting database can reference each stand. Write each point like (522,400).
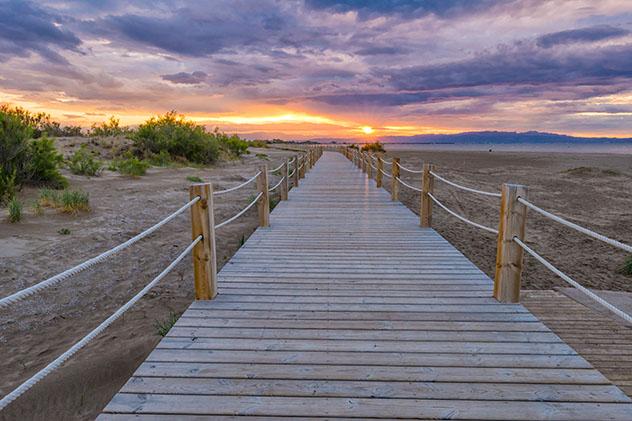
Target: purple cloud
(186,78)
(582,35)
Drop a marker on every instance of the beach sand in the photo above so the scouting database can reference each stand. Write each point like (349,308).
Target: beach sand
(38,329)
(591,189)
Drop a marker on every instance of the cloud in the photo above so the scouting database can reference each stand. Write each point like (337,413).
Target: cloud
(26,28)
(376,50)
(186,78)
(581,35)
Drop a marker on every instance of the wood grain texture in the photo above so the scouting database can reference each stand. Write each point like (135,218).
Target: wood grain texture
(345,308)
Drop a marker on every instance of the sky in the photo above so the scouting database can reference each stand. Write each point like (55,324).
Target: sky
(326,68)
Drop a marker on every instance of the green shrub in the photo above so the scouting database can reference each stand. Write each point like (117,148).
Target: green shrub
(15,210)
(162,159)
(37,209)
(234,143)
(74,201)
(48,198)
(178,137)
(626,267)
(273,202)
(194,179)
(373,147)
(110,127)
(131,166)
(82,162)
(258,143)
(164,326)
(44,162)
(7,185)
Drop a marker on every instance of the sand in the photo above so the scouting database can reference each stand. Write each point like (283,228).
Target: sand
(592,190)
(40,328)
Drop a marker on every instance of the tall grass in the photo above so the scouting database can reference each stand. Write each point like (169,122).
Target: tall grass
(74,201)
(15,210)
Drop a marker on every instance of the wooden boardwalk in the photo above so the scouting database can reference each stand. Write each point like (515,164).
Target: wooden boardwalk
(345,308)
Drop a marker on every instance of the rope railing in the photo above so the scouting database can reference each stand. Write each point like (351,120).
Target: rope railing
(458,186)
(276,185)
(462,218)
(245,183)
(276,169)
(241,212)
(572,282)
(410,171)
(576,227)
(55,364)
(292,173)
(403,183)
(20,295)
(385,173)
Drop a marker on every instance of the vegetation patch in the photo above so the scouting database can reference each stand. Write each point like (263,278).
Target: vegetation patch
(15,210)
(64,231)
(164,326)
(82,162)
(131,166)
(273,203)
(194,179)
(374,147)
(111,127)
(626,267)
(263,156)
(67,201)
(591,171)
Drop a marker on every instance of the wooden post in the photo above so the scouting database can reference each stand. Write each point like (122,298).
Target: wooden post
(285,184)
(204,257)
(364,162)
(394,182)
(369,168)
(263,205)
(295,175)
(378,173)
(513,218)
(303,166)
(427,186)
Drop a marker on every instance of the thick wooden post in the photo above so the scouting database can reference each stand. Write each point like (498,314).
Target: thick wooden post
(263,205)
(285,184)
(303,166)
(204,257)
(378,173)
(295,175)
(369,168)
(427,186)
(509,255)
(394,182)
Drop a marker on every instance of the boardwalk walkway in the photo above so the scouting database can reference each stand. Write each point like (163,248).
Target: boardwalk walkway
(345,308)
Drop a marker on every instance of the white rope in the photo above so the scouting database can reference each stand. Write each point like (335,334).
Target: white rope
(410,171)
(456,215)
(458,186)
(250,180)
(574,283)
(408,185)
(292,173)
(277,168)
(300,167)
(576,227)
(16,393)
(20,295)
(241,212)
(387,162)
(386,174)
(276,185)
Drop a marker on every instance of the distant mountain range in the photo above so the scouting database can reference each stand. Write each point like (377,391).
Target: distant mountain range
(490,137)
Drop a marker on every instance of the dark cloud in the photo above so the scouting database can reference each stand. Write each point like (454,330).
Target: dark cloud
(521,64)
(404,8)
(26,28)
(381,50)
(581,35)
(186,78)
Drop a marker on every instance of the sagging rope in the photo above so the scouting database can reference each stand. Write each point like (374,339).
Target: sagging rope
(410,171)
(458,186)
(572,282)
(16,393)
(292,173)
(20,295)
(245,183)
(241,212)
(276,185)
(462,218)
(408,185)
(277,168)
(576,227)
(385,173)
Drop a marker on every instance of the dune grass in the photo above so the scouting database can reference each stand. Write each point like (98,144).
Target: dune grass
(15,210)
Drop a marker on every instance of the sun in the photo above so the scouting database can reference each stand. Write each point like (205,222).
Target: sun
(367,129)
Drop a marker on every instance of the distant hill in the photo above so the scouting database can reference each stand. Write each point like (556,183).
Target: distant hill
(496,138)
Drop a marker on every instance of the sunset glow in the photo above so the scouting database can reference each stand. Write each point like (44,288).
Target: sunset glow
(351,69)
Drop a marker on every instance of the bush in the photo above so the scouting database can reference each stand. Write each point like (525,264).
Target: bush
(48,198)
(234,143)
(15,210)
(110,127)
(194,179)
(82,162)
(373,147)
(258,143)
(129,166)
(163,159)
(178,137)
(23,160)
(74,201)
